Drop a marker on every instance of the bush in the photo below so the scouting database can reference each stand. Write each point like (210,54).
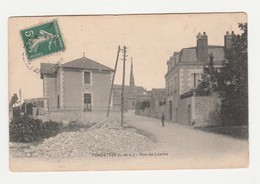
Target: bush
(16,112)
(26,129)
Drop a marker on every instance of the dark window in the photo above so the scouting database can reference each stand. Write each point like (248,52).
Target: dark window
(58,101)
(87,98)
(87,102)
(86,77)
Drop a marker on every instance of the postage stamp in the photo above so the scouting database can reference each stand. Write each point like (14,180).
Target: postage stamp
(42,40)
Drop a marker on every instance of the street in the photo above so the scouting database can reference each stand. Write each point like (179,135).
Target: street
(177,147)
(193,147)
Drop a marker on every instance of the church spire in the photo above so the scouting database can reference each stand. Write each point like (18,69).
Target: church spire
(132,80)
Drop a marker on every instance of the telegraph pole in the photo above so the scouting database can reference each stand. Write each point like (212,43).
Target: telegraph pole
(123,87)
(112,85)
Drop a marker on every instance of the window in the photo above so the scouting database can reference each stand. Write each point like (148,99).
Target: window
(195,77)
(87,102)
(175,84)
(86,77)
(58,101)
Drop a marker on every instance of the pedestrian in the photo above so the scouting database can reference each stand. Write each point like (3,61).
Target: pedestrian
(162,119)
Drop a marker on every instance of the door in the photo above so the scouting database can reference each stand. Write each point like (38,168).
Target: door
(189,114)
(87,102)
(170,110)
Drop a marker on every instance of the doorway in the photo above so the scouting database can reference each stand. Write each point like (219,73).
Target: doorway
(170,110)
(189,114)
(87,102)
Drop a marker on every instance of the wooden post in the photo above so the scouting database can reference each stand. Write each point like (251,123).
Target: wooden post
(112,85)
(123,88)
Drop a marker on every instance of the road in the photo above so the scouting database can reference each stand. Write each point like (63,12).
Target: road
(186,148)
(190,147)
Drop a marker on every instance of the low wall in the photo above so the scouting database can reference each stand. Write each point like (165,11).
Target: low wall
(158,112)
(145,112)
(199,110)
(83,117)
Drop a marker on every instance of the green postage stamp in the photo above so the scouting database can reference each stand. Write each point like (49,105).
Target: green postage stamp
(42,40)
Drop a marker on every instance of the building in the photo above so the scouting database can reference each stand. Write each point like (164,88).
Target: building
(131,92)
(78,85)
(185,104)
(157,102)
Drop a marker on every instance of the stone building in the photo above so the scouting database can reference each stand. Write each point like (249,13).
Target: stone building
(157,102)
(185,104)
(79,85)
(131,92)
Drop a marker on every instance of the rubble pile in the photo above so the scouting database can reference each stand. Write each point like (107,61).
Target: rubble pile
(102,138)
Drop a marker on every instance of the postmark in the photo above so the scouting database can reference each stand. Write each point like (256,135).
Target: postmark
(42,40)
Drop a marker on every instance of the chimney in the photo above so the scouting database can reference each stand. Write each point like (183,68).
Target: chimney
(202,47)
(229,39)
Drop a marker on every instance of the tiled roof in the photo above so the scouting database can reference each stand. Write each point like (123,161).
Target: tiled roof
(85,63)
(47,68)
(128,91)
(190,54)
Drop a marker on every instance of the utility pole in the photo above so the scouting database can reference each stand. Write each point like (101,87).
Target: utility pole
(123,87)
(112,85)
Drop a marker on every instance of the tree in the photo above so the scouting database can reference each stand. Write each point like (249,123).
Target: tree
(209,82)
(231,80)
(14,100)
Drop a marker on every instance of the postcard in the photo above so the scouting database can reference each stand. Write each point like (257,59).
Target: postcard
(128,92)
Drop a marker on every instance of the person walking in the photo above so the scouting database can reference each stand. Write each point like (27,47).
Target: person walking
(162,119)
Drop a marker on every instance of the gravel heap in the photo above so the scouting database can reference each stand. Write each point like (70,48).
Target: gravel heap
(103,138)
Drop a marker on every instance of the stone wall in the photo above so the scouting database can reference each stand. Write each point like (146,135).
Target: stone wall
(207,110)
(185,115)
(199,111)
(145,112)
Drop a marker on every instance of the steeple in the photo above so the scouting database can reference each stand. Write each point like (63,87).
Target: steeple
(132,80)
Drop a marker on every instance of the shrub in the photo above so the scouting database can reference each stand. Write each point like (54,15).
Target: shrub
(27,129)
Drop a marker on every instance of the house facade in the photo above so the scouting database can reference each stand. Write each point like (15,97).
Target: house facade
(79,85)
(185,104)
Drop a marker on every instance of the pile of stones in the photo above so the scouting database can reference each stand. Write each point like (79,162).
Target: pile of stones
(102,138)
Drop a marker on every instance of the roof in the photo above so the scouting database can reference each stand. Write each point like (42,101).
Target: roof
(138,88)
(48,68)
(158,92)
(128,91)
(85,63)
(190,54)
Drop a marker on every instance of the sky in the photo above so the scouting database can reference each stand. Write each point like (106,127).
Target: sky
(150,40)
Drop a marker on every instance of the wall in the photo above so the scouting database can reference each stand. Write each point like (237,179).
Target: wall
(207,110)
(50,91)
(204,111)
(183,111)
(145,112)
(74,89)
(101,90)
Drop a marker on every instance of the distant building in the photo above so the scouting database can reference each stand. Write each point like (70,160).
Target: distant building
(131,93)
(184,103)
(79,85)
(157,102)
